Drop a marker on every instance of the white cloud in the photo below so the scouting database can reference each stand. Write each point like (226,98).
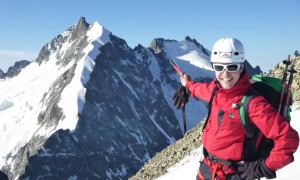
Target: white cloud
(9,57)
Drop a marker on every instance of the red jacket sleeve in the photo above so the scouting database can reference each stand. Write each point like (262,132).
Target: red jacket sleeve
(277,128)
(200,91)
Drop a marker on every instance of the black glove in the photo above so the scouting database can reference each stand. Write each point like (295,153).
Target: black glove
(255,170)
(180,97)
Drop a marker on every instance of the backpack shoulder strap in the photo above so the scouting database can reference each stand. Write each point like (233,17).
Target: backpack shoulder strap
(249,147)
(209,106)
(244,113)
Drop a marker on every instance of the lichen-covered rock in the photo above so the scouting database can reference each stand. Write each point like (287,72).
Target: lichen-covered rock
(277,71)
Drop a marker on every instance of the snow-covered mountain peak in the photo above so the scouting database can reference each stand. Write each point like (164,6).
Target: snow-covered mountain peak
(98,31)
(190,55)
(188,51)
(55,96)
(73,96)
(49,93)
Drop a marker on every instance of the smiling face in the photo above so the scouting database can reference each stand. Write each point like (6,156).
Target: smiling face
(227,78)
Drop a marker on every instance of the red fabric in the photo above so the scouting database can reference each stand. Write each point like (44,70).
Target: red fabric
(200,176)
(224,138)
(274,127)
(218,171)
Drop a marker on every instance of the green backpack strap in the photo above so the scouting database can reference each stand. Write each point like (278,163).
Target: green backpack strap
(249,147)
(244,113)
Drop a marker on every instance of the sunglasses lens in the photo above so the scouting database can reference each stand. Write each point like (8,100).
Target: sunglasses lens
(233,67)
(229,67)
(218,67)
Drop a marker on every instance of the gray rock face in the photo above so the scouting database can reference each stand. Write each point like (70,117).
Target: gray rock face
(252,71)
(162,161)
(52,114)
(277,71)
(14,70)
(204,50)
(125,121)
(1,74)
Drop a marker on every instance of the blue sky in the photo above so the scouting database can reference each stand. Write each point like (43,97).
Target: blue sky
(269,29)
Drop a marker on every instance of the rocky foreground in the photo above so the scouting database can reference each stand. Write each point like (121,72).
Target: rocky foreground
(158,165)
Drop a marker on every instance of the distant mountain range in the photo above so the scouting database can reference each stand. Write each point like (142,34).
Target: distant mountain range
(14,70)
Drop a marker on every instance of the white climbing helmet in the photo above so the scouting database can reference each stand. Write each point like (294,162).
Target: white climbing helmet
(228,50)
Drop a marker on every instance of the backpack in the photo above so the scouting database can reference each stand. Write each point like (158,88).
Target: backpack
(269,88)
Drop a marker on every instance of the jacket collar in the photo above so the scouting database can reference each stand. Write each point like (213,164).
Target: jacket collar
(239,89)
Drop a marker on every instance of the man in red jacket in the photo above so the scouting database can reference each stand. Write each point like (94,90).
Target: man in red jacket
(223,137)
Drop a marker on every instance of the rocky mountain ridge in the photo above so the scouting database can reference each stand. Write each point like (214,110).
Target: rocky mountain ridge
(14,70)
(277,71)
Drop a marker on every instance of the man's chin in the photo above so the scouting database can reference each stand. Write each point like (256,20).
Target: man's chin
(227,86)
